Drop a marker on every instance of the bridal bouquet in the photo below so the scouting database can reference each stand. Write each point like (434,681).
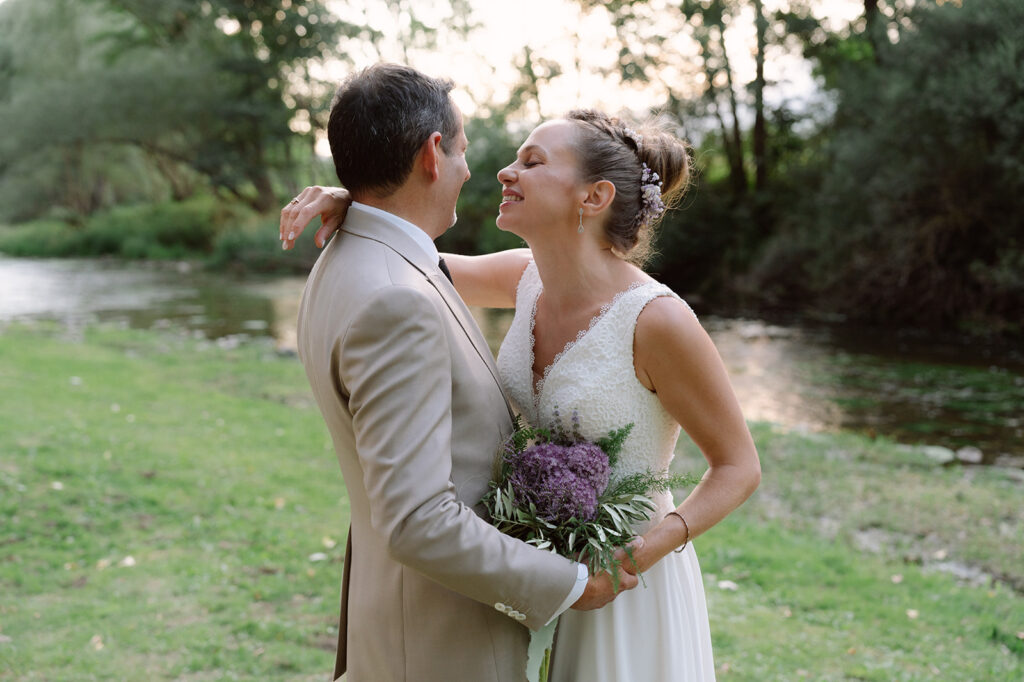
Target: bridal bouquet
(557,491)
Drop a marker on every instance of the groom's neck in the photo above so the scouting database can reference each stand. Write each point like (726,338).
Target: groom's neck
(408,204)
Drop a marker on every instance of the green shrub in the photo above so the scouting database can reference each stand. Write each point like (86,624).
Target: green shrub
(40,238)
(914,213)
(226,235)
(165,230)
(161,231)
(254,247)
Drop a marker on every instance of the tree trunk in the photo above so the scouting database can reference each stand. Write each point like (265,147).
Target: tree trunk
(737,172)
(182,187)
(712,95)
(264,201)
(760,162)
(872,26)
(256,172)
(74,195)
(727,141)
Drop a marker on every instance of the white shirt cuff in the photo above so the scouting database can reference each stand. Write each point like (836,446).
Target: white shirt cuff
(582,576)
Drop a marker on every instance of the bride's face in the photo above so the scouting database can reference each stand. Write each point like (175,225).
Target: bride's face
(541,190)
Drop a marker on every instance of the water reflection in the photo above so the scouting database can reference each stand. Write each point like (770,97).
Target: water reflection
(77,292)
(905,389)
(799,376)
(70,288)
(771,369)
(829,379)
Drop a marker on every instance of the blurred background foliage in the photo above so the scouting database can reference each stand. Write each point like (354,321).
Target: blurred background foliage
(176,129)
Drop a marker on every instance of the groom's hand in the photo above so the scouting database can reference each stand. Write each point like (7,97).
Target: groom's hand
(600,590)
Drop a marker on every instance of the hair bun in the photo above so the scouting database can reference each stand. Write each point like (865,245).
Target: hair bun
(608,148)
(669,157)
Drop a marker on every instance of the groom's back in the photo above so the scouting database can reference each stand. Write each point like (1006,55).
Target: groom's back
(425,371)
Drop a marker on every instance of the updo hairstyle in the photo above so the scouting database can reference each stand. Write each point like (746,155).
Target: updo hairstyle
(607,150)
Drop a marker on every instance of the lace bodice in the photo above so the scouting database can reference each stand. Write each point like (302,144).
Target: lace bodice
(593,375)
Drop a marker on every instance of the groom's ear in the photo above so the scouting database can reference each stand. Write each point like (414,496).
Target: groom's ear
(429,156)
(599,197)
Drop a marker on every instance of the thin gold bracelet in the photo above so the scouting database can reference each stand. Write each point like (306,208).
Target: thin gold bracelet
(686,526)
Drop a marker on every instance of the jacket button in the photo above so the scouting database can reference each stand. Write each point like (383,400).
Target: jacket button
(501,607)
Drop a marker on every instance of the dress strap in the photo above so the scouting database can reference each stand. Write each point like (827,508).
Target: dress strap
(529,286)
(639,298)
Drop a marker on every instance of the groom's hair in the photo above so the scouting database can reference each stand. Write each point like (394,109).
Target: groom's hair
(380,117)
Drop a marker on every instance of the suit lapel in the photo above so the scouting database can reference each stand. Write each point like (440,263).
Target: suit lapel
(472,330)
(366,225)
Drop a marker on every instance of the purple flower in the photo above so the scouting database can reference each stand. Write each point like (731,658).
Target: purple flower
(590,463)
(561,481)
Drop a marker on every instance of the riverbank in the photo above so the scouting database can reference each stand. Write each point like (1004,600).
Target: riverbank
(224,236)
(208,231)
(173,510)
(965,399)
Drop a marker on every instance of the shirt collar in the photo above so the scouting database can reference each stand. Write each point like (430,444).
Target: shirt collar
(421,238)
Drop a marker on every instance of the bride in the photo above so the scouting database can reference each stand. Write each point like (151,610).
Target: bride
(593,334)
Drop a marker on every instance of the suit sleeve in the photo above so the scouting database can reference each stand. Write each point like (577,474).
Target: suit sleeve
(394,364)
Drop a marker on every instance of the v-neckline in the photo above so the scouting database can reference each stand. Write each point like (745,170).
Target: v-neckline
(537,385)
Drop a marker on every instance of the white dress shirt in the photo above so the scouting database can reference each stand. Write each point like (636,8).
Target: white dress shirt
(418,235)
(427,244)
(582,576)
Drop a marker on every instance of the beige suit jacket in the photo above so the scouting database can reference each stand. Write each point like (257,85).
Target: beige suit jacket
(412,399)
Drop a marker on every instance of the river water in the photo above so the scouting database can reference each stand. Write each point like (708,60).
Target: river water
(953,396)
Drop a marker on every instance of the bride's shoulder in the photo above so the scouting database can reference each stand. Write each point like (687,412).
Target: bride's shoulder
(666,319)
(669,341)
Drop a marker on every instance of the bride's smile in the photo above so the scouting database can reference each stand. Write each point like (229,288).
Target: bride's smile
(542,187)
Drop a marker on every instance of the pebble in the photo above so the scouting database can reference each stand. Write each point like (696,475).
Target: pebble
(938,453)
(970,455)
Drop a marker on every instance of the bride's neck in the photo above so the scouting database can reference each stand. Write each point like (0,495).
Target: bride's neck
(590,273)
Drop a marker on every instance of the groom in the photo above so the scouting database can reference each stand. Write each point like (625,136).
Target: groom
(409,391)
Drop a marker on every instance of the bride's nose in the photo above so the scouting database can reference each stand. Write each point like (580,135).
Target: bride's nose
(506,175)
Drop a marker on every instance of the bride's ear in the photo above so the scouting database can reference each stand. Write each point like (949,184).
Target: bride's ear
(599,197)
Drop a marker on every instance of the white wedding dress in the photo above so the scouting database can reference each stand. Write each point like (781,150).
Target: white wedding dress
(657,633)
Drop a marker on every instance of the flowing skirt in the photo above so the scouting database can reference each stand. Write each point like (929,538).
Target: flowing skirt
(655,634)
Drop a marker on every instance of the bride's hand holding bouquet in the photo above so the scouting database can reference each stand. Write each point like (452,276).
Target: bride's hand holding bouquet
(558,491)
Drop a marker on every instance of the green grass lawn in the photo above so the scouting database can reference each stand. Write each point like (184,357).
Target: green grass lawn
(171,509)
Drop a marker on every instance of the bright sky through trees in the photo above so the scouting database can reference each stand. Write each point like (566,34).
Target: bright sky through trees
(559,30)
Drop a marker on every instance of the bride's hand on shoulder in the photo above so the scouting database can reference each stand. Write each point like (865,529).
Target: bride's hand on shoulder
(329,203)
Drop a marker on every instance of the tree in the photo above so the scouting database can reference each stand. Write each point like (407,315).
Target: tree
(253,49)
(759,133)
(916,216)
(189,90)
(524,100)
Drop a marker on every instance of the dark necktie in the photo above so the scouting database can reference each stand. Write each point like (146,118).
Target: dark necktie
(444,269)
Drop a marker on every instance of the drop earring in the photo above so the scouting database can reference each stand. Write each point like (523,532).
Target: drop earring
(580,228)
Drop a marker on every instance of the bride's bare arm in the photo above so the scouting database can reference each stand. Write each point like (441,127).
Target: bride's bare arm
(674,357)
(488,281)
